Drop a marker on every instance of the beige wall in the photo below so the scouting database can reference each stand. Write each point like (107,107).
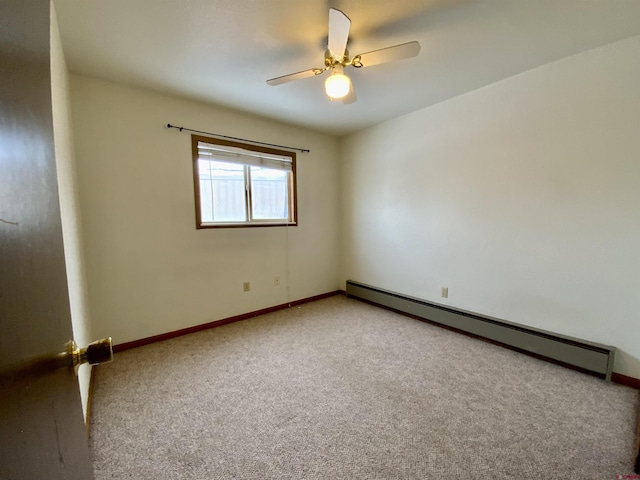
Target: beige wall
(69,202)
(522,198)
(149,270)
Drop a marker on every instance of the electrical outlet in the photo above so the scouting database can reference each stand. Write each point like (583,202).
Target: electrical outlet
(246,286)
(445,292)
(276,281)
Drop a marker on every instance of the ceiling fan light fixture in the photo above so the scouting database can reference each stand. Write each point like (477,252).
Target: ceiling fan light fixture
(338,84)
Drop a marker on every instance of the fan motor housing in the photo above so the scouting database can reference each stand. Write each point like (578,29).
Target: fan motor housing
(330,60)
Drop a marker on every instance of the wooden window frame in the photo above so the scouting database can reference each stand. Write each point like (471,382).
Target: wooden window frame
(292,191)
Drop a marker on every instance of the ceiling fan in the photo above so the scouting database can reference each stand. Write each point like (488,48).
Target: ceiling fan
(338,86)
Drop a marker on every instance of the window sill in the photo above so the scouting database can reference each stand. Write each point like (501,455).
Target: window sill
(246,225)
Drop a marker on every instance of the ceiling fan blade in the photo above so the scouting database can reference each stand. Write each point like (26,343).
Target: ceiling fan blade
(351,96)
(294,76)
(339,25)
(389,54)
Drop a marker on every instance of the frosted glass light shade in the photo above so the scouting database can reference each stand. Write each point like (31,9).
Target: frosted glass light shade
(338,84)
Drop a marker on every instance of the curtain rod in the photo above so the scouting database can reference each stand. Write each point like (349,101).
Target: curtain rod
(303,150)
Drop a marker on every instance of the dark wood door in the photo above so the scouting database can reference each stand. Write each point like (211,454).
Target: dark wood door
(42,434)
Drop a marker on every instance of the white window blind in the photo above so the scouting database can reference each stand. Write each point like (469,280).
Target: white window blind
(222,153)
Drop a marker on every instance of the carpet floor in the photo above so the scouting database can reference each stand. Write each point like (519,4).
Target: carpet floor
(339,389)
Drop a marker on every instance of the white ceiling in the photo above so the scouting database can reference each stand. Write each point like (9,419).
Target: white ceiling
(223,51)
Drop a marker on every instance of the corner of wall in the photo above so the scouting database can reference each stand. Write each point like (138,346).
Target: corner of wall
(69,203)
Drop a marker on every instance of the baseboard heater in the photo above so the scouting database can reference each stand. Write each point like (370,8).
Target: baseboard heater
(588,356)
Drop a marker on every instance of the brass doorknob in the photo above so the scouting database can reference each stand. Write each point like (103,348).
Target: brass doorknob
(100,351)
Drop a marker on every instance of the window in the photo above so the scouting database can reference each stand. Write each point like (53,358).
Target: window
(242,185)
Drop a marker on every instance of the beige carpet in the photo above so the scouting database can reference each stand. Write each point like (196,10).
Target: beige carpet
(338,389)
